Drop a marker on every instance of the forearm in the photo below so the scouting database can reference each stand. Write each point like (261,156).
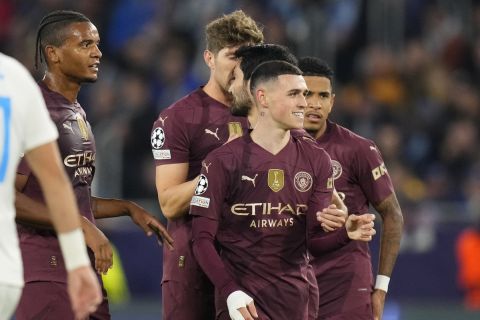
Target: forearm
(391,234)
(175,200)
(109,208)
(208,258)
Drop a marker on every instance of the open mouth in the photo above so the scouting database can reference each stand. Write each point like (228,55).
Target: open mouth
(94,66)
(298,114)
(313,117)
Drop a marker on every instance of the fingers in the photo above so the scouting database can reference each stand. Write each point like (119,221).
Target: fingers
(162,234)
(251,308)
(103,258)
(84,291)
(245,314)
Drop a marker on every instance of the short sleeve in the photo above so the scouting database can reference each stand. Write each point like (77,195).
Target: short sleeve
(372,173)
(211,189)
(169,138)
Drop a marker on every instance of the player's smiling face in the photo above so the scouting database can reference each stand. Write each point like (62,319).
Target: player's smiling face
(79,55)
(319,103)
(287,101)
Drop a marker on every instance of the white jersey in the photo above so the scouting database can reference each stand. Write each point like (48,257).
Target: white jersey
(24,125)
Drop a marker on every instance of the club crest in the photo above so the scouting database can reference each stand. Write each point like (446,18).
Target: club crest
(303,181)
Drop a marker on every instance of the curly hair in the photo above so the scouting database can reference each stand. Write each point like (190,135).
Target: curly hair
(232,30)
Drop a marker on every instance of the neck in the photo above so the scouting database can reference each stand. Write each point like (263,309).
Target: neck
(213,89)
(62,85)
(271,138)
(321,131)
(253,117)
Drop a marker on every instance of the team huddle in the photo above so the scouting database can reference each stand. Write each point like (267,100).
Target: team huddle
(267,200)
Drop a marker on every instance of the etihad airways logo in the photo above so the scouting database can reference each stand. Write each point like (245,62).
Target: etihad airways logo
(79,159)
(267,208)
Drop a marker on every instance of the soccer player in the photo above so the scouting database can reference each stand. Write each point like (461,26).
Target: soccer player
(68,44)
(258,201)
(345,276)
(181,138)
(26,128)
(249,58)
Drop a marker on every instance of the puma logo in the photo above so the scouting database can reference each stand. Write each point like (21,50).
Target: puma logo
(373,148)
(68,126)
(204,164)
(163,120)
(252,180)
(215,134)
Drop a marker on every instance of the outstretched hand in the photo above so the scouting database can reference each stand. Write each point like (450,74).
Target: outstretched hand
(150,225)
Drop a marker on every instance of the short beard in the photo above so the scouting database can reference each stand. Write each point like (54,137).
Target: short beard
(240,110)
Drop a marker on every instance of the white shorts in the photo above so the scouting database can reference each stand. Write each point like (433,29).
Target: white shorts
(9,298)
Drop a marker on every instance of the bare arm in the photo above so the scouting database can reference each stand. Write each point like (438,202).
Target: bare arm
(392,218)
(108,208)
(173,189)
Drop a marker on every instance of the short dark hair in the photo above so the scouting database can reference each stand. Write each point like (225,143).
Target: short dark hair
(51,31)
(271,70)
(254,55)
(312,66)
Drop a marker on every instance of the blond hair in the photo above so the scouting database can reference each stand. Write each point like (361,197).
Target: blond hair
(232,30)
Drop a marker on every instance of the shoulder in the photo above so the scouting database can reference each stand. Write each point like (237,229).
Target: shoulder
(356,142)
(229,152)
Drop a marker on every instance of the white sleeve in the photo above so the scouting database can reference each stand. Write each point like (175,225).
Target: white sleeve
(38,127)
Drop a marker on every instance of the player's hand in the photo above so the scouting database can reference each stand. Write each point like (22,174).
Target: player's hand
(84,291)
(378,303)
(360,227)
(101,247)
(331,218)
(150,224)
(241,306)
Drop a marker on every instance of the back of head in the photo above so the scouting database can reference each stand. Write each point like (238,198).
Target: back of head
(271,70)
(316,67)
(252,56)
(52,31)
(231,30)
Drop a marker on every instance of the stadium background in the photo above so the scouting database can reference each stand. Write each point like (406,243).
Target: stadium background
(407,77)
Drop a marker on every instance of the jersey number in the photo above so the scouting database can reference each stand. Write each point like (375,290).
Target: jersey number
(5,108)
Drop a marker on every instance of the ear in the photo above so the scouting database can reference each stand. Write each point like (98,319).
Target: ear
(333,101)
(51,54)
(209,58)
(261,97)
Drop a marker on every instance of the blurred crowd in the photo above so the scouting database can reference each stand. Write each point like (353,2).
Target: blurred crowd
(407,74)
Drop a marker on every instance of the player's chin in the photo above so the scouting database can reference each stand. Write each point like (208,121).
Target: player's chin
(309,126)
(90,78)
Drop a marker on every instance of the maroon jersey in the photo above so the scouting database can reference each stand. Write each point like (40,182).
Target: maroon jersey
(263,205)
(345,275)
(185,133)
(42,257)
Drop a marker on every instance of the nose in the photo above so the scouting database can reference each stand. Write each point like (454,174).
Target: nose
(97,53)
(313,103)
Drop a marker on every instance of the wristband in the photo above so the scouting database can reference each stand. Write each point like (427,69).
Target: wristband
(382,282)
(74,250)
